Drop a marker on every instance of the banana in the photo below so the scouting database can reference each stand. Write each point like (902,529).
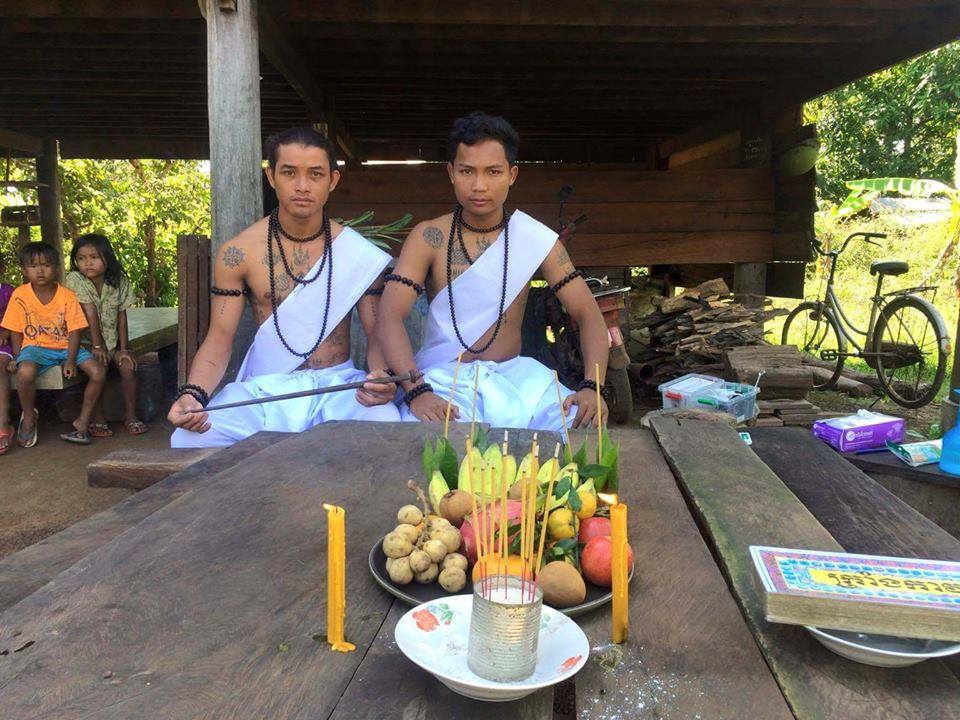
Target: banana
(437,489)
(467,481)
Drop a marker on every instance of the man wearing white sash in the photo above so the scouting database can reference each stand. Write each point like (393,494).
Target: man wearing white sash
(476,265)
(303,275)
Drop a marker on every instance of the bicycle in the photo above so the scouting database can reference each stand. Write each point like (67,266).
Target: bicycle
(905,333)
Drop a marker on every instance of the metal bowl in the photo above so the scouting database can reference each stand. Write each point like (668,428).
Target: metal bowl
(882,650)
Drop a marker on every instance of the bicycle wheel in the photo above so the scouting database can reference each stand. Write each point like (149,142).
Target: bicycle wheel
(911,361)
(814,331)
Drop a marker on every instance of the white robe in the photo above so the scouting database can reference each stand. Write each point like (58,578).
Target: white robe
(270,369)
(516,393)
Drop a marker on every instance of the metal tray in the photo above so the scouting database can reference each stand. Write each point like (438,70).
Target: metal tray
(417,594)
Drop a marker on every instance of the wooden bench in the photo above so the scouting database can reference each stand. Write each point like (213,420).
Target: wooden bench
(739,501)
(150,329)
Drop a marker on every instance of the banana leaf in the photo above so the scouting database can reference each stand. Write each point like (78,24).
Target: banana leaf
(447,462)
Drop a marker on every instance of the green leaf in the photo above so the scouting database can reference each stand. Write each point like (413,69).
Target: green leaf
(480,440)
(912,187)
(573,500)
(566,545)
(597,472)
(567,455)
(447,462)
(580,457)
(562,487)
(426,460)
(611,458)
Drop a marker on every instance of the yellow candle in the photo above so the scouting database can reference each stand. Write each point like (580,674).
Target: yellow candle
(336,578)
(619,558)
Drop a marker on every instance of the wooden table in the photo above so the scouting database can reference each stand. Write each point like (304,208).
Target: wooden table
(200,597)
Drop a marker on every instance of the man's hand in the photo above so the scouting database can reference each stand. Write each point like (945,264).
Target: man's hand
(430,407)
(586,402)
(179,415)
(69,370)
(125,356)
(373,393)
(101,355)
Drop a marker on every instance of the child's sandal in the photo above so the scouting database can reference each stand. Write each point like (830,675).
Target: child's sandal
(136,427)
(32,440)
(100,430)
(78,437)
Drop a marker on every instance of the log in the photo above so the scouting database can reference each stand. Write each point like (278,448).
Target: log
(848,386)
(865,378)
(139,469)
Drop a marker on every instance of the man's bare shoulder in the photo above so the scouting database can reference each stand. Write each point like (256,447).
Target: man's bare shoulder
(432,232)
(248,244)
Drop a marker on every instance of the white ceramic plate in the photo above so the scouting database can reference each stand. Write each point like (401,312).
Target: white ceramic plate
(882,650)
(434,635)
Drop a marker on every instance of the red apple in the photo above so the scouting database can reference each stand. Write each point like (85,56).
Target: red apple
(594,527)
(466,530)
(595,561)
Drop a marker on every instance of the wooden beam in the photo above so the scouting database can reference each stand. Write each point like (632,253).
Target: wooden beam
(289,63)
(236,151)
(18,141)
(51,225)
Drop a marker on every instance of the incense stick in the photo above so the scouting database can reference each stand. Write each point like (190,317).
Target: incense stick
(453,389)
(504,544)
(563,415)
(546,508)
(473,410)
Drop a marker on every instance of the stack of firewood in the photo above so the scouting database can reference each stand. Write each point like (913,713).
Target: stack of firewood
(777,413)
(690,332)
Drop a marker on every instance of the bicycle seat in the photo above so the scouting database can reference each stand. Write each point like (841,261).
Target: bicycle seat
(889,267)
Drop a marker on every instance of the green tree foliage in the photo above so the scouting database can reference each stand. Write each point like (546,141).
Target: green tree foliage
(900,122)
(129,201)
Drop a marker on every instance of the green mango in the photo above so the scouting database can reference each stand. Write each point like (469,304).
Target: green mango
(467,480)
(437,489)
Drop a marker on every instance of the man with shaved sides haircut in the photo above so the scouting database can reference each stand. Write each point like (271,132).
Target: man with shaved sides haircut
(302,274)
(476,263)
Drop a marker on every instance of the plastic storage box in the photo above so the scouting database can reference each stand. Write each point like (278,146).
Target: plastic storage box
(705,392)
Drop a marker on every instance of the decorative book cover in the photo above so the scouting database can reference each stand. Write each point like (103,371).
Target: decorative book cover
(873,588)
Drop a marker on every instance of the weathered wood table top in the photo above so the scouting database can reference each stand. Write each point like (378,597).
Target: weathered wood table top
(201,596)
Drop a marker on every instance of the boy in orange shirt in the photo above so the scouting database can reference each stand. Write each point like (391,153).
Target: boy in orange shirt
(45,319)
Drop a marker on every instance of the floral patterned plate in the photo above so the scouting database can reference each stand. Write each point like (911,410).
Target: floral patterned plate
(434,635)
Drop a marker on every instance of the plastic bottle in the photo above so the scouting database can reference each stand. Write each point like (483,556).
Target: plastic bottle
(950,454)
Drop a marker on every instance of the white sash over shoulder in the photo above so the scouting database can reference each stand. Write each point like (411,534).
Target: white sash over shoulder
(356,264)
(476,293)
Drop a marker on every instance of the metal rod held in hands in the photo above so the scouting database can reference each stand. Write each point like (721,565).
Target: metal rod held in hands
(306,393)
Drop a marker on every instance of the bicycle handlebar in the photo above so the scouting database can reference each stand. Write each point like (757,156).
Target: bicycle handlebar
(866,236)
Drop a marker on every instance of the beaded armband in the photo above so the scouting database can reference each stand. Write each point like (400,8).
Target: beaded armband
(415,392)
(575,274)
(586,384)
(214,290)
(393,277)
(194,391)
(375,292)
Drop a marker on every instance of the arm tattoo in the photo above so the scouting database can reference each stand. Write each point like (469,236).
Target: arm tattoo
(233,256)
(433,237)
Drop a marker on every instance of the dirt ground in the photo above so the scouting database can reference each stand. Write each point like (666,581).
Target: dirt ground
(44,489)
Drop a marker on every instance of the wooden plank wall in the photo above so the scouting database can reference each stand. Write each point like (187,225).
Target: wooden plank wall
(635,217)
(193,305)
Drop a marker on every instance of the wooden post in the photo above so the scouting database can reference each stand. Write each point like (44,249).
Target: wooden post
(756,150)
(949,406)
(51,227)
(236,151)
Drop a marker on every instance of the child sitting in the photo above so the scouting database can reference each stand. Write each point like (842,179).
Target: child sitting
(105,293)
(7,365)
(44,320)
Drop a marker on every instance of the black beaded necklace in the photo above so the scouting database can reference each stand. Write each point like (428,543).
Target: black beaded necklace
(456,227)
(326,260)
(275,230)
(477,230)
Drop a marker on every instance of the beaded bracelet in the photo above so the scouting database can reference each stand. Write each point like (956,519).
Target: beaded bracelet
(373,291)
(415,392)
(393,277)
(214,290)
(586,384)
(194,391)
(559,286)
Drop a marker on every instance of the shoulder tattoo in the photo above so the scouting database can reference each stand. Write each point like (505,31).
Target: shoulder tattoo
(233,256)
(433,237)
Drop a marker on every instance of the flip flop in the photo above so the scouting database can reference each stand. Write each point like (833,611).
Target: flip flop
(135,427)
(32,440)
(7,433)
(100,430)
(78,437)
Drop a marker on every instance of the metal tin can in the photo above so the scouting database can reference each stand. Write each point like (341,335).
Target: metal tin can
(504,629)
